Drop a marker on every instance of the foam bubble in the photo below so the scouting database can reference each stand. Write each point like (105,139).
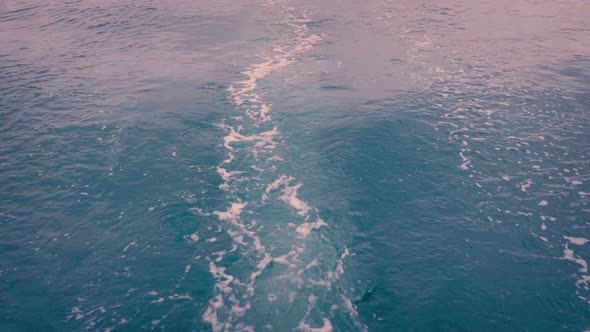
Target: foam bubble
(465,165)
(282,180)
(210,315)
(290,197)
(289,194)
(232,213)
(568,254)
(580,241)
(305,228)
(225,175)
(303,326)
(525,185)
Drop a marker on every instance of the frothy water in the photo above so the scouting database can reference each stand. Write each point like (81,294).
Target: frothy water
(285,264)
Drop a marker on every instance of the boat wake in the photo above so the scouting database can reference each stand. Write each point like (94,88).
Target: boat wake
(279,259)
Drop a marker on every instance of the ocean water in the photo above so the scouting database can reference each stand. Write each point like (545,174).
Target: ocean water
(295,165)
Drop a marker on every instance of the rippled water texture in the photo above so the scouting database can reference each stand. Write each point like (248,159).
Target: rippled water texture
(295,165)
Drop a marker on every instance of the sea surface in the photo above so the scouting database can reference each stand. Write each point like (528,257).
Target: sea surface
(295,165)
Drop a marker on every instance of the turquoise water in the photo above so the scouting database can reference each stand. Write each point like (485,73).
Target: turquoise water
(295,165)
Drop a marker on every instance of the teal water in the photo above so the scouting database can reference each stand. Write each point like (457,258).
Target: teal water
(295,165)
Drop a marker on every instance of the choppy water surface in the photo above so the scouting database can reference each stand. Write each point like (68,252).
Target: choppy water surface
(295,165)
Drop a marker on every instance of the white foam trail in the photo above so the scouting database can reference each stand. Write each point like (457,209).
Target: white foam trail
(242,91)
(263,140)
(257,137)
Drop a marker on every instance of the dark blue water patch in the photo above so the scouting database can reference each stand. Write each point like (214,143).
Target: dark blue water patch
(405,194)
(575,73)
(413,202)
(74,197)
(334,87)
